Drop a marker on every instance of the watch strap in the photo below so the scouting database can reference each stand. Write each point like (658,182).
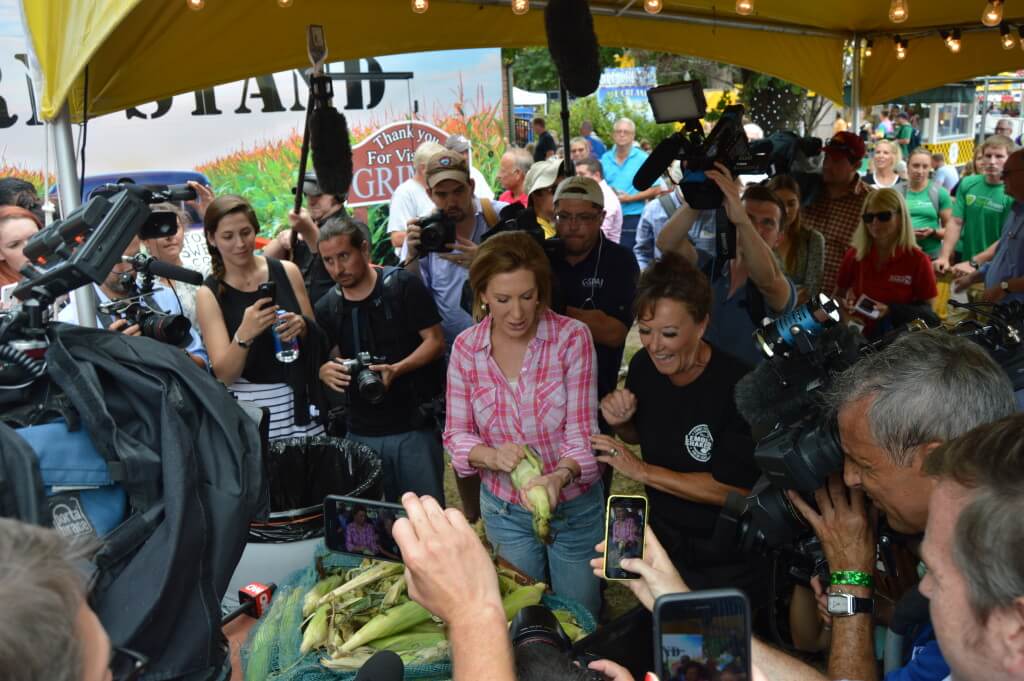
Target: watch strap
(242,343)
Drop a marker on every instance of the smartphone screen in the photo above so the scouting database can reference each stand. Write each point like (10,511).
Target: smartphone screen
(361,528)
(624,534)
(268,289)
(703,635)
(867,307)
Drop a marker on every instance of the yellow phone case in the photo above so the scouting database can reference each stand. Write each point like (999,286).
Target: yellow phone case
(607,516)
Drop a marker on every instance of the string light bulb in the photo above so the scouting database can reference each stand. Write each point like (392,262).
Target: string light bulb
(901,48)
(1005,38)
(520,7)
(420,6)
(284,3)
(954,41)
(869,48)
(898,11)
(745,7)
(652,6)
(993,14)
(195,5)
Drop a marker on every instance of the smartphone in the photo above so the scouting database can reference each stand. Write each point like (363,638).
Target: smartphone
(867,306)
(361,528)
(709,630)
(624,523)
(268,289)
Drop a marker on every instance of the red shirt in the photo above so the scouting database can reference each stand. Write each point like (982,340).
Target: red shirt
(905,278)
(507,197)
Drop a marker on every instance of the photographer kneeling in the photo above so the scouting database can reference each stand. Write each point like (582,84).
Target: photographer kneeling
(749,287)
(135,317)
(384,323)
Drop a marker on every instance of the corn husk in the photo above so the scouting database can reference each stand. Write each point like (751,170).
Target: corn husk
(528,469)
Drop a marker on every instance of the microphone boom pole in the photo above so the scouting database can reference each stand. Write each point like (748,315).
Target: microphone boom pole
(567,165)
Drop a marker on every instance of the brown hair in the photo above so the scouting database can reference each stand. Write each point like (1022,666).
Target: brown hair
(759,192)
(672,277)
(218,209)
(797,238)
(999,141)
(507,252)
(7,213)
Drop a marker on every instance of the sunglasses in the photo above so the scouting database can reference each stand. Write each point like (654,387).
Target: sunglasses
(881,216)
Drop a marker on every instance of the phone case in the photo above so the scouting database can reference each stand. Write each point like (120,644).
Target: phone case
(607,515)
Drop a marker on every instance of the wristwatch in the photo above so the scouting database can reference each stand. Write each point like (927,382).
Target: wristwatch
(846,605)
(242,343)
(974,263)
(1005,285)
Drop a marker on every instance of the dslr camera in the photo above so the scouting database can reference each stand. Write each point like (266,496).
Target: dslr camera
(368,382)
(173,329)
(436,232)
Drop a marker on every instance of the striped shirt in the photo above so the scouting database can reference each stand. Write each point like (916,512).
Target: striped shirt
(552,407)
(837,219)
(279,399)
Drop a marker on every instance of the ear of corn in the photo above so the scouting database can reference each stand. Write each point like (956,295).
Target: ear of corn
(393,621)
(522,597)
(529,468)
(316,631)
(408,641)
(379,571)
(314,594)
(395,592)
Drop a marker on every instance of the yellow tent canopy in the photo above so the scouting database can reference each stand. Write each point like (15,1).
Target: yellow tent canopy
(140,50)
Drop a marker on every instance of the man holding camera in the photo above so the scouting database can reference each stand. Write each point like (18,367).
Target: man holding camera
(387,334)
(120,283)
(445,270)
(750,286)
(893,409)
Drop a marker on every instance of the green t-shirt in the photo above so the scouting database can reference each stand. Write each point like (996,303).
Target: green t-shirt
(905,132)
(983,208)
(923,214)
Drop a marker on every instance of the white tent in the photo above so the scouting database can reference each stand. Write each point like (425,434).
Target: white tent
(527,98)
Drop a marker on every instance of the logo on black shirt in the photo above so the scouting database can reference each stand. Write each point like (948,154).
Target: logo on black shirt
(699,443)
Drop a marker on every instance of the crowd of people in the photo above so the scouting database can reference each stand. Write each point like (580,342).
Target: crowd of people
(513,334)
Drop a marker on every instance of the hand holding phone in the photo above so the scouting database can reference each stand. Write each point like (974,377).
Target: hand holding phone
(867,307)
(625,522)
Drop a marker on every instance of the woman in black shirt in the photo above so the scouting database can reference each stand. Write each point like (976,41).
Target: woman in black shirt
(678,405)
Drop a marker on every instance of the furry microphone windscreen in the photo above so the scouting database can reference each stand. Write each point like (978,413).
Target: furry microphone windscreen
(332,153)
(573,45)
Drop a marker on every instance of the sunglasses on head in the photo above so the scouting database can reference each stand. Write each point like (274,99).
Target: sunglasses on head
(881,216)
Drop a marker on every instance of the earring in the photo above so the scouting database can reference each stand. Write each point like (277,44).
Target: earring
(483,307)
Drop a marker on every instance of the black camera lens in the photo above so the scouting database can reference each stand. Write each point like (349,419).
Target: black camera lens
(172,329)
(371,387)
(431,239)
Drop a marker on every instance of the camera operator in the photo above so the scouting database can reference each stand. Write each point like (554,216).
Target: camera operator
(450,187)
(120,284)
(398,325)
(749,287)
(975,577)
(168,249)
(48,630)
(597,276)
(893,408)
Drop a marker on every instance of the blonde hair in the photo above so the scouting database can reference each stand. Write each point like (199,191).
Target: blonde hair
(879,200)
(507,252)
(424,152)
(894,149)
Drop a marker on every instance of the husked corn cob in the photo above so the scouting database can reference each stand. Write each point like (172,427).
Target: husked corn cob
(527,470)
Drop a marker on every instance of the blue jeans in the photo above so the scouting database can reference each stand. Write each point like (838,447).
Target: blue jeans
(576,526)
(629,225)
(412,462)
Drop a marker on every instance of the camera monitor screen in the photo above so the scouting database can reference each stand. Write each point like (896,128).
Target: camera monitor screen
(712,643)
(361,528)
(677,102)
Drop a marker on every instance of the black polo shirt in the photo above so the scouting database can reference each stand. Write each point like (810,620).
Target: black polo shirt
(605,280)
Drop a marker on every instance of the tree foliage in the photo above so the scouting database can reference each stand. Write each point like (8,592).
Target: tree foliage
(532,68)
(603,118)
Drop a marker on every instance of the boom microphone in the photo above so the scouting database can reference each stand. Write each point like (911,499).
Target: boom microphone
(573,45)
(145,263)
(658,162)
(384,665)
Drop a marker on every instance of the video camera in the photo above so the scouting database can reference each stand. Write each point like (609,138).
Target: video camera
(727,144)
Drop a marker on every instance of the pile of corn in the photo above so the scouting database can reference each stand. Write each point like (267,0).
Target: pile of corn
(354,613)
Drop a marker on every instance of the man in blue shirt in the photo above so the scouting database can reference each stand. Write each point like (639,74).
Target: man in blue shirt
(161,299)
(597,147)
(750,286)
(620,164)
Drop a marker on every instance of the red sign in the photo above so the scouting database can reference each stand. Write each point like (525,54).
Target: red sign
(383,160)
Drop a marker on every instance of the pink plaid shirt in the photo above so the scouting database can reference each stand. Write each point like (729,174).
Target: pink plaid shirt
(552,408)
(625,531)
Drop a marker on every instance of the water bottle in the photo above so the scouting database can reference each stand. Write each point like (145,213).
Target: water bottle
(285,351)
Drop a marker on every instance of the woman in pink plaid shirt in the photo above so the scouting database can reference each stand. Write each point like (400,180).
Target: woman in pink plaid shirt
(524,375)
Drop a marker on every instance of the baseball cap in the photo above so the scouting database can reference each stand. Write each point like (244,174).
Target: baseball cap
(583,188)
(310,185)
(846,144)
(457,143)
(542,174)
(447,165)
